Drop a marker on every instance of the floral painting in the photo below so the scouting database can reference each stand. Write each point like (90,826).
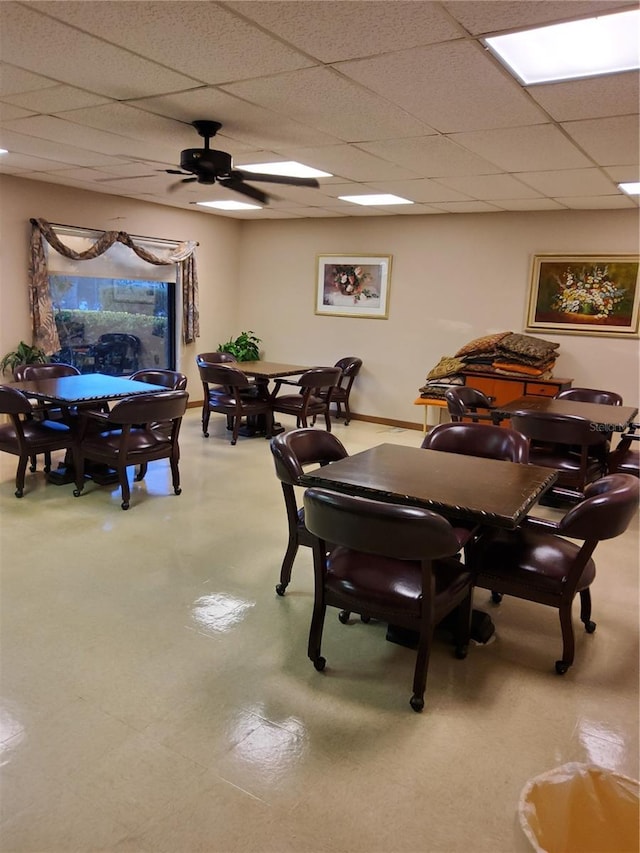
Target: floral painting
(584,294)
(353,285)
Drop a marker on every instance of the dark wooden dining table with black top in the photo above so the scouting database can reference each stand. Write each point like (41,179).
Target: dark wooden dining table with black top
(264,372)
(86,389)
(482,491)
(604,418)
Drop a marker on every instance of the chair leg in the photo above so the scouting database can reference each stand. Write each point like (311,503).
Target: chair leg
(420,672)
(585,611)
(327,419)
(315,636)
(175,474)
(347,413)
(20,475)
(287,564)
(141,472)
(78,465)
(124,487)
(236,428)
(206,414)
(33,463)
(47,461)
(568,642)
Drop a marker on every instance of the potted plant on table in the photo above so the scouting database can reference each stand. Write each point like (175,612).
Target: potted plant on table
(244,347)
(22,354)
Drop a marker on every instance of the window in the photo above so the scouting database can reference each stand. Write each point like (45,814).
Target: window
(114,313)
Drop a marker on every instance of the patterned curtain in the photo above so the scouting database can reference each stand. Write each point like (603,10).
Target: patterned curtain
(45,333)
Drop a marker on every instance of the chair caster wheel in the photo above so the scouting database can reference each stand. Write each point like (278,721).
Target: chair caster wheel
(177,491)
(365,619)
(124,505)
(461,652)
(561,667)
(232,443)
(496,597)
(32,468)
(76,493)
(417,703)
(343,616)
(320,664)
(206,434)
(281,588)
(19,493)
(589,627)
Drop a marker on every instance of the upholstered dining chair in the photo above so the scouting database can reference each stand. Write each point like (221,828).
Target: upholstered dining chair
(466,403)
(124,437)
(389,562)
(340,393)
(564,442)
(307,402)
(26,436)
(537,563)
(224,386)
(590,395)
(173,380)
(486,440)
(292,451)
(625,457)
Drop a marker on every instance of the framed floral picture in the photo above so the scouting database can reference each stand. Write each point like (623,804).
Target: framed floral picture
(584,294)
(353,286)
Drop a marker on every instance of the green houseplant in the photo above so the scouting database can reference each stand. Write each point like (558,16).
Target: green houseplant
(244,347)
(22,354)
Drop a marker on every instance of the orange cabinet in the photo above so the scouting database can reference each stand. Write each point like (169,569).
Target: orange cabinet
(503,389)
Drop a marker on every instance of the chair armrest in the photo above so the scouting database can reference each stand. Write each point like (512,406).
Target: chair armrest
(532,522)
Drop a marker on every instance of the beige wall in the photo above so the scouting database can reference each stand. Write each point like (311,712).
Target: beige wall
(453,278)
(217,255)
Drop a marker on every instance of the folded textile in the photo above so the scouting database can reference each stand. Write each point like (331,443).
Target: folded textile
(485,358)
(447,366)
(525,369)
(487,343)
(447,381)
(436,392)
(527,346)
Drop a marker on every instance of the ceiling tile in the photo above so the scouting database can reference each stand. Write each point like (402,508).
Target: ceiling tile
(420,190)
(594,97)
(610,141)
(522,149)
(490,187)
(326,30)
(205,41)
(55,99)
(467,207)
(347,162)
(321,98)
(529,204)
(623,173)
(451,87)
(15,80)
(106,69)
(55,151)
(8,112)
(577,182)
(487,16)
(603,202)
(432,156)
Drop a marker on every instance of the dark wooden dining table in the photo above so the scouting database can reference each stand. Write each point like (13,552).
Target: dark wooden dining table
(604,418)
(469,488)
(84,390)
(263,372)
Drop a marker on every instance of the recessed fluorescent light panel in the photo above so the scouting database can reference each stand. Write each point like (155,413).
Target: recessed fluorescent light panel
(603,45)
(630,187)
(375,200)
(230,205)
(289,168)
(3,151)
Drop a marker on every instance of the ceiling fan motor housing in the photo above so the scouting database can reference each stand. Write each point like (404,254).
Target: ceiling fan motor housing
(206,162)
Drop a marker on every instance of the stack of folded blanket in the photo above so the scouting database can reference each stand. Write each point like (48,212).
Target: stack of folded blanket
(502,353)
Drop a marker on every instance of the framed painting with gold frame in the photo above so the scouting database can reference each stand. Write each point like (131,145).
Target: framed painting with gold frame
(353,286)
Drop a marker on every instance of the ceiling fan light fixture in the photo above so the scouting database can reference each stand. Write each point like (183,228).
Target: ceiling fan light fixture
(230,205)
(630,187)
(382,199)
(288,168)
(607,44)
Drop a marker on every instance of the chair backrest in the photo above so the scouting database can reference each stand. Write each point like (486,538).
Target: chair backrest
(145,408)
(297,448)
(216,358)
(350,367)
(222,374)
(132,341)
(551,428)
(171,379)
(464,401)
(486,440)
(320,377)
(375,527)
(590,395)
(13,402)
(609,505)
(48,371)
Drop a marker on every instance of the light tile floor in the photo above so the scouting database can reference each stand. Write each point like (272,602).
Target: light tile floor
(157,697)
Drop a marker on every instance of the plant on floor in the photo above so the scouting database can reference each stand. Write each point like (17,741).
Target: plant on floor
(22,354)
(244,347)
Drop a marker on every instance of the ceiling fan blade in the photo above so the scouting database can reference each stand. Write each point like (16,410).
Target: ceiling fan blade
(238,186)
(274,179)
(176,185)
(173,171)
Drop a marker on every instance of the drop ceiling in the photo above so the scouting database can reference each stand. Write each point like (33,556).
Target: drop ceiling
(390,97)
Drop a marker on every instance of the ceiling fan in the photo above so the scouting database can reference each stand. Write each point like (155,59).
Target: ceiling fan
(208,166)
